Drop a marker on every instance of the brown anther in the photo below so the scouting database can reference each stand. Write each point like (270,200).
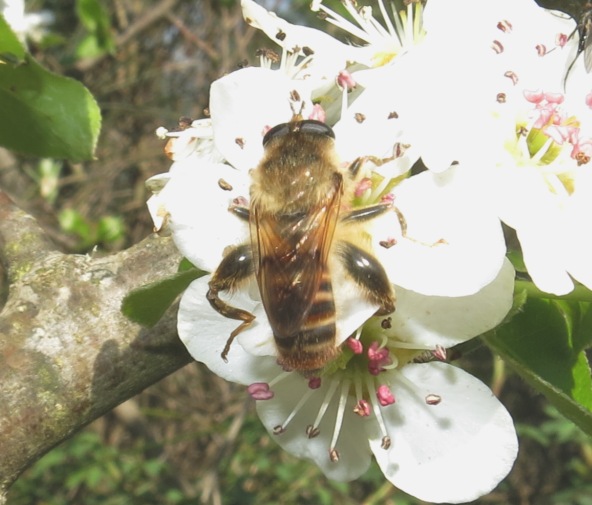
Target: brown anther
(224,185)
(240,142)
(386,323)
(386,443)
(387,244)
(278,430)
(307,51)
(522,131)
(511,75)
(400,149)
(501,98)
(393,115)
(268,53)
(433,399)
(359,117)
(312,431)
(505,26)
(582,159)
(280,35)
(295,96)
(334,455)
(497,47)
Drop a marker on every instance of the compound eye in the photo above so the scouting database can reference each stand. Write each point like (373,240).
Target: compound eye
(305,126)
(316,128)
(276,132)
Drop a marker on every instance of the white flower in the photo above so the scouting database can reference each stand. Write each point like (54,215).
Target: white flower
(428,425)
(517,135)
(30,25)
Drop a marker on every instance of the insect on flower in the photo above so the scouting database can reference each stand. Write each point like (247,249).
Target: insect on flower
(300,236)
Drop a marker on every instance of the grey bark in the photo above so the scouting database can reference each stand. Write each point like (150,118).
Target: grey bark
(67,353)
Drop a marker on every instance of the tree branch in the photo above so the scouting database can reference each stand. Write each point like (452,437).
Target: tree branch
(67,353)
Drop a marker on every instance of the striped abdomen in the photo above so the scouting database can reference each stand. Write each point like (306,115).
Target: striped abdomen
(312,345)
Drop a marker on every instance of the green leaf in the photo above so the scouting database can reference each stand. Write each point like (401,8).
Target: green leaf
(94,17)
(544,343)
(147,304)
(43,114)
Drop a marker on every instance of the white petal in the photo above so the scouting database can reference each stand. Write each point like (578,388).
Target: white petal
(245,104)
(205,332)
(576,228)
(454,244)
(536,218)
(199,218)
(330,56)
(352,445)
(447,321)
(452,452)
(375,134)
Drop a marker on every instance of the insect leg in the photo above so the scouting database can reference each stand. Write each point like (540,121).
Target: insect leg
(236,267)
(368,273)
(362,214)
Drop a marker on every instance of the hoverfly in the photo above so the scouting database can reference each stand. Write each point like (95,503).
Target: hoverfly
(300,231)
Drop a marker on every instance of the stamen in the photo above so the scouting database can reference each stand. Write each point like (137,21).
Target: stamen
(385,395)
(388,243)
(340,411)
(282,427)
(341,22)
(326,401)
(334,455)
(511,75)
(387,19)
(414,390)
(314,382)
(432,399)
(541,49)
(355,345)
(497,47)
(278,378)
(260,391)
(224,185)
(362,408)
(376,406)
(505,26)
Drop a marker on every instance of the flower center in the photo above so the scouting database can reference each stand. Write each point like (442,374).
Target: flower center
(400,30)
(551,140)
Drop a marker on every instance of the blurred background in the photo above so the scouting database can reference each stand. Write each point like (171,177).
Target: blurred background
(193,438)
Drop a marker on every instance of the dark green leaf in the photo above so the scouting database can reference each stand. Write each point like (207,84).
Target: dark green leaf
(147,304)
(43,114)
(544,343)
